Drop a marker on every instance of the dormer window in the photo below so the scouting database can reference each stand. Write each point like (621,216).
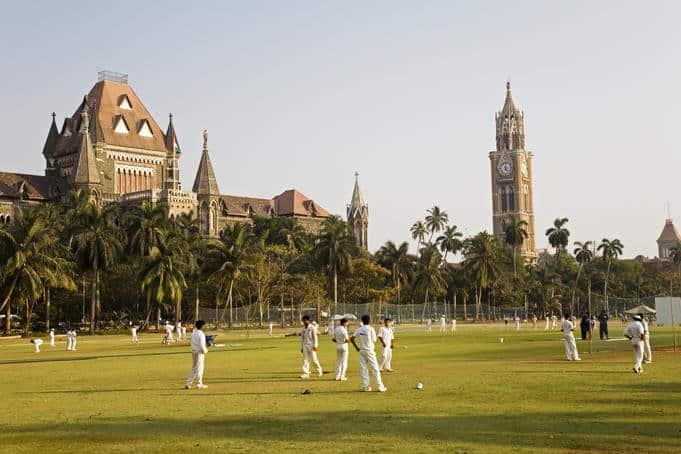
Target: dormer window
(120,126)
(124,102)
(144,130)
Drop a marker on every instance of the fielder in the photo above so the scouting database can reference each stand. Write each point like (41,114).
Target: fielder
(569,339)
(554,321)
(309,342)
(534,322)
(386,336)
(443,324)
(133,331)
(453,325)
(269,331)
(635,332)
(178,331)
(546,328)
(52,344)
(169,333)
(199,352)
(517,323)
(429,325)
(71,340)
(647,354)
(37,343)
(341,338)
(367,356)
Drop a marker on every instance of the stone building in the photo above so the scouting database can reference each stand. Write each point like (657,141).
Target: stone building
(668,240)
(113,148)
(511,169)
(358,217)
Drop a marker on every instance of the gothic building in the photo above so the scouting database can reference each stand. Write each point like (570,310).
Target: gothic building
(668,240)
(511,167)
(358,217)
(113,148)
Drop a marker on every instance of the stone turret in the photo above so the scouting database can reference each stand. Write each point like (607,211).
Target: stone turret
(85,174)
(207,192)
(358,216)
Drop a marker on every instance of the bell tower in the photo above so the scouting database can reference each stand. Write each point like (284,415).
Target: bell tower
(511,170)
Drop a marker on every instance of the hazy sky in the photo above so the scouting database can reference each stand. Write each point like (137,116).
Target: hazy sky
(302,94)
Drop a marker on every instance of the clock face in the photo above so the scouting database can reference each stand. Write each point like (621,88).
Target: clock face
(505,168)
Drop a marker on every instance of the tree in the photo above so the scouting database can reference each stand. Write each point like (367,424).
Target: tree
(611,249)
(333,250)
(399,262)
(428,277)
(295,235)
(675,255)
(558,236)
(583,254)
(96,242)
(436,220)
(449,242)
(145,224)
(418,232)
(481,259)
(515,234)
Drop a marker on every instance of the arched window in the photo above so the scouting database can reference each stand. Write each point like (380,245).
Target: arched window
(504,205)
(511,198)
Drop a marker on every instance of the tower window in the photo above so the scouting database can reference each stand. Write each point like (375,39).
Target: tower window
(144,129)
(120,126)
(124,102)
(504,204)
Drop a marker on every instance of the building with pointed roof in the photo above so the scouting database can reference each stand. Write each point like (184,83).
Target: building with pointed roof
(113,149)
(358,216)
(668,240)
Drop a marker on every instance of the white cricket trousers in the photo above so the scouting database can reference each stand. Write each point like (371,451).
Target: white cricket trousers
(647,354)
(570,347)
(638,354)
(341,361)
(386,358)
(309,355)
(198,361)
(367,364)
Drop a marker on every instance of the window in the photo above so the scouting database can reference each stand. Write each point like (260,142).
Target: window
(504,205)
(124,102)
(120,126)
(144,129)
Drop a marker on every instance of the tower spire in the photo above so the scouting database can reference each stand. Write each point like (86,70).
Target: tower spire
(205,181)
(86,172)
(358,216)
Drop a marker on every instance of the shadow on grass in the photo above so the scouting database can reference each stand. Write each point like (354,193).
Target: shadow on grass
(604,431)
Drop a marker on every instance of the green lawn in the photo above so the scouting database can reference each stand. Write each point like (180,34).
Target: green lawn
(479,396)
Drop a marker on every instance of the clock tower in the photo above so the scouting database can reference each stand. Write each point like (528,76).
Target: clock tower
(511,167)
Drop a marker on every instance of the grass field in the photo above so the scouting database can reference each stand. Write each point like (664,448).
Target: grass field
(479,396)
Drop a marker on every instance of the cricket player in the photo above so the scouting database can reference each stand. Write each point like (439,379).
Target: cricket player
(443,324)
(133,331)
(453,325)
(554,321)
(567,328)
(71,340)
(635,332)
(429,325)
(199,352)
(647,354)
(367,356)
(178,331)
(386,336)
(534,322)
(309,343)
(517,323)
(37,343)
(68,340)
(269,331)
(341,339)
(546,328)
(52,344)
(184,331)
(169,332)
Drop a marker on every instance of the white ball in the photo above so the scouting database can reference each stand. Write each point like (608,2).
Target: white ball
(419,386)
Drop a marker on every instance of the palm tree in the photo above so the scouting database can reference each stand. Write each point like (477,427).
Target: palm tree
(198,245)
(515,234)
(145,224)
(675,255)
(333,250)
(428,276)
(449,242)
(96,242)
(436,220)
(418,232)
(295,235)
(558,235)
(398,261)
(481,260)
(583,254)
(611,249)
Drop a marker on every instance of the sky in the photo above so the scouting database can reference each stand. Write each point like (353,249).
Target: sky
(301,94)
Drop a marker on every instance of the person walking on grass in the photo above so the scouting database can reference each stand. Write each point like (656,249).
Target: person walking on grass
(133,332)
(37,343)
(534,322)
(199,352)
(387,338)
(52,344)
(443,324)
(635,332)
(309,343)
(603,325)
(367,355)
(567,327)
(453,325)
(546,328)
(429,325)
(341,339)
(647,353)
(269,329)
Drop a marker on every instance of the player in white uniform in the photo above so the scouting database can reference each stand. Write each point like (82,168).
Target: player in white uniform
(199,352)
(443,324)
(546,328)
(71,340)
(269,329)
(635,332)
(133,332)
(429,325)
(367,355)
(534,322)
(569,339)
(184,331)
(386,336)
(341,338)
(169,333)
(647,353)
(309,342)
(37,343)
(554,321)
(52,344)
(517,323)
(453,325)
(178,331)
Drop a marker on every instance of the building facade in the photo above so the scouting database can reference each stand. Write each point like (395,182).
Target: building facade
(113,149)
(358,217)
(511,171)
(668,240)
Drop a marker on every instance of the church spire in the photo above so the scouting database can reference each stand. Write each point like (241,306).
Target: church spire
(358,216)
(172,144)
(357,202)
(173,153)
(510,125)
(205,182)
(51,141)
(86,172)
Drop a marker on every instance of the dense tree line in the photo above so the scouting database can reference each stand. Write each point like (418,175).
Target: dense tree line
(111,265)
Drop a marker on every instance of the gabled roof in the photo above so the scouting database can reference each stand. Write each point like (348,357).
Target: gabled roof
(34,186)
(294,203)
(246,206)
(103,102)
(669,233)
